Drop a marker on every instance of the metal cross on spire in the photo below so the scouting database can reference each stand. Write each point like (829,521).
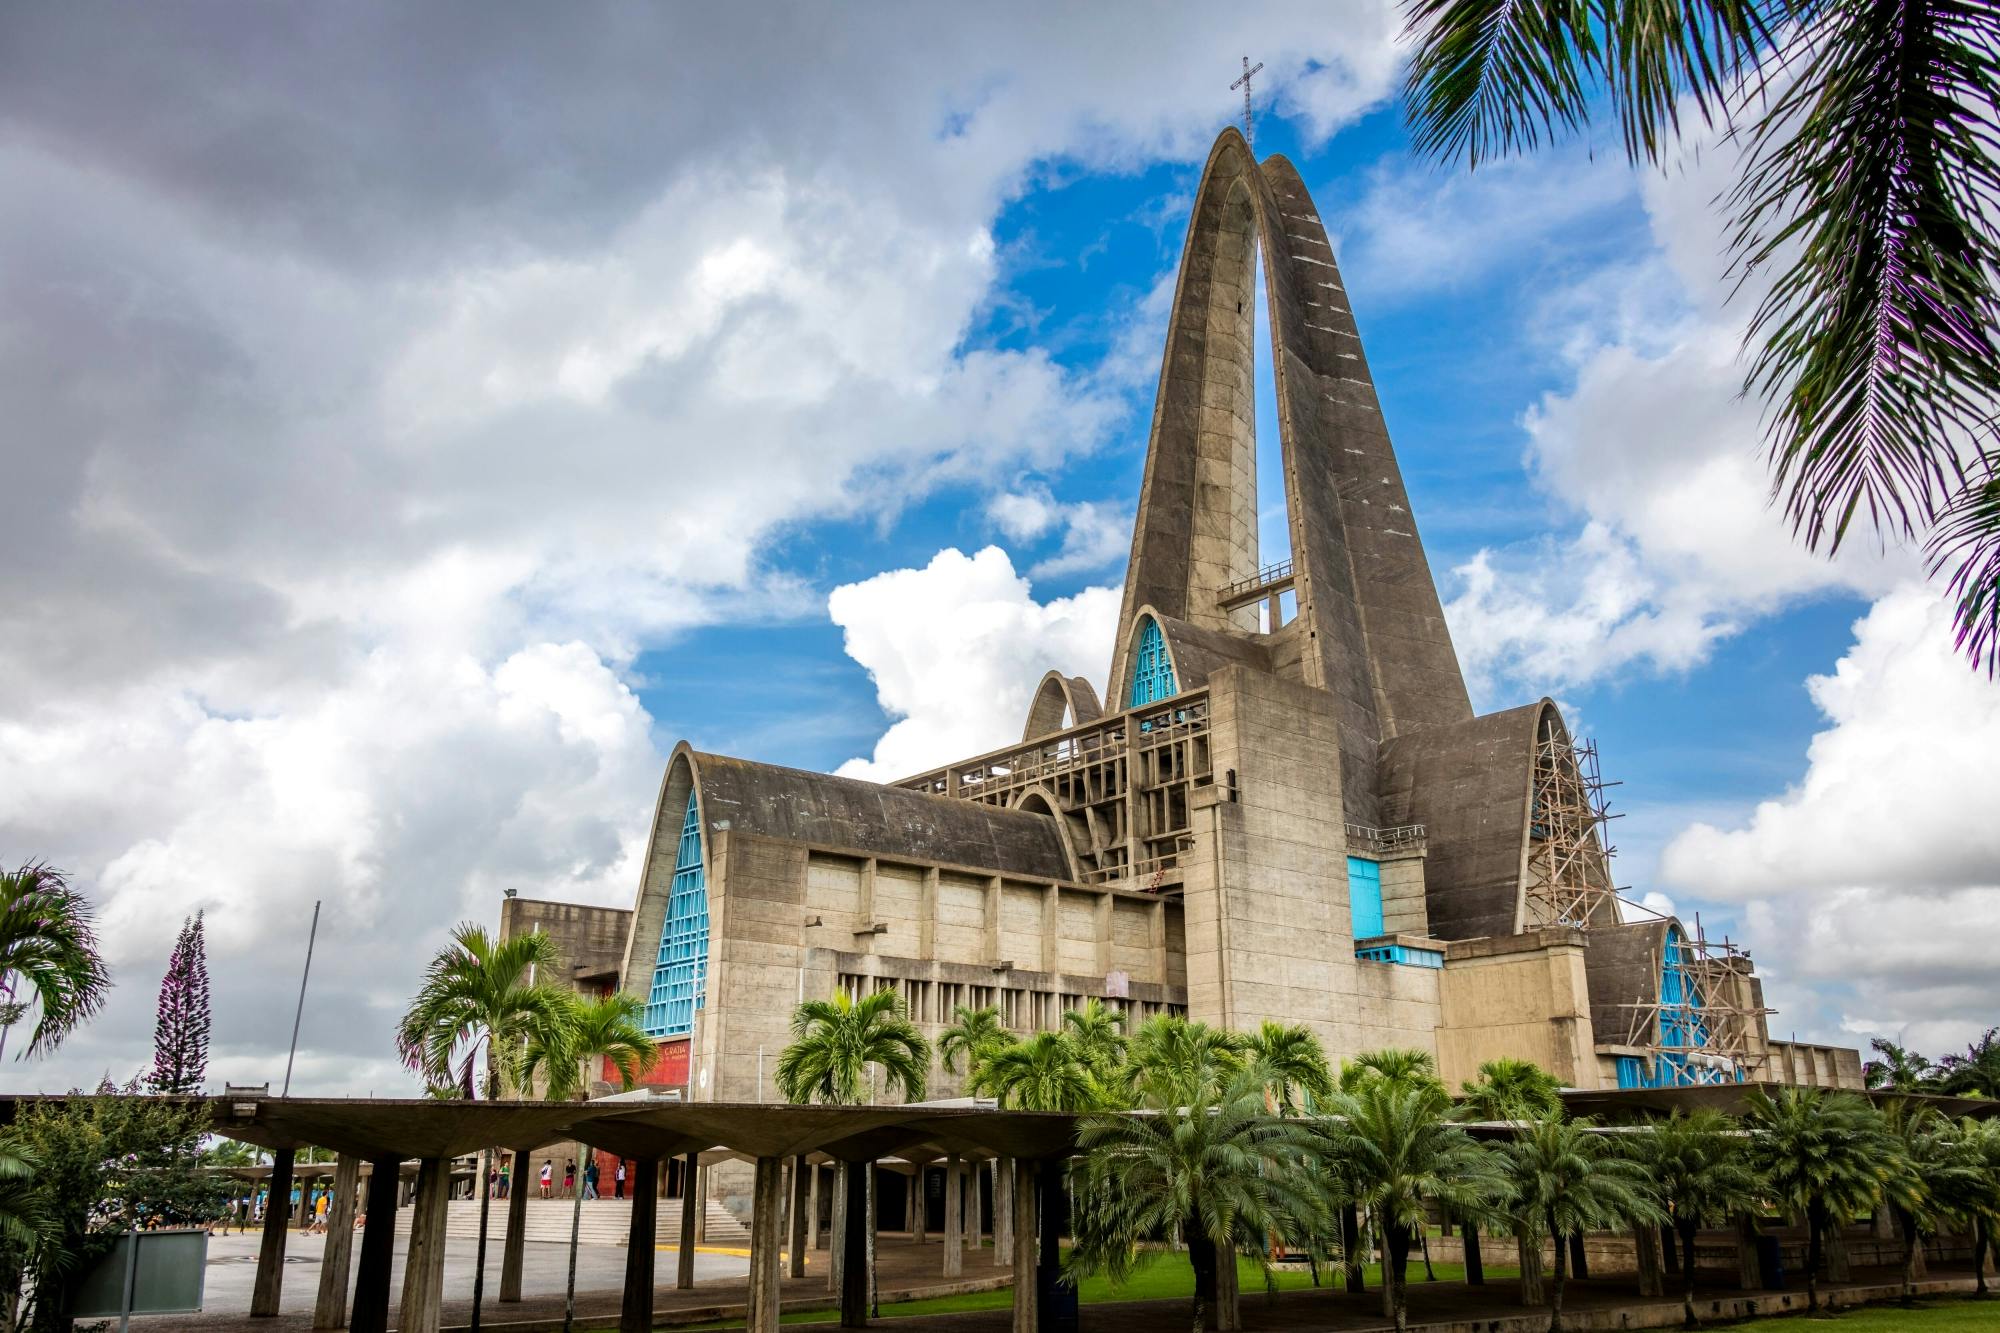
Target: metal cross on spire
(1249,133)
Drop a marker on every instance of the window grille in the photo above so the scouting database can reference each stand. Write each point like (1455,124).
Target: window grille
(680,973)
(1152,668)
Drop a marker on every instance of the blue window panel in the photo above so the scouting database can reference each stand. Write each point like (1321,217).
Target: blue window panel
(1401,954)
(1152,669)
(1631,1072)
(680,973)
(1682,1024)
(1364,897)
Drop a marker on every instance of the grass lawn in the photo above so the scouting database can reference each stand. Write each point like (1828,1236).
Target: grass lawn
(1961,1315)
(1167,1278)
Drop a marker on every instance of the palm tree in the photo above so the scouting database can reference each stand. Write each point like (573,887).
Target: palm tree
(1972,1195)
(1202,1168)
(1821,1155)
(1099,1034)
(834,1041)
(481,994)
(604,1028)
(1175,1061)
(972,1033)
(1701,1176)
(1977,1072)
(1510,1089)
(1898,1069)
(1396,1064)
(1865,195)
(1397,1151)
(1565,1179)
(1050,1071)
(48,954)
(1290,1060)
(1929,1171)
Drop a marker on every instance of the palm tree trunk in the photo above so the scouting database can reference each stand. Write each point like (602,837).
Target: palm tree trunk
(1685,1232)
(1396,1278)
(1201,1258)
(1981,1240)
(1556,1287)
(1812,1258)
(1529,1249)
(1424,1239)
(1350,1248)
(1908,1223)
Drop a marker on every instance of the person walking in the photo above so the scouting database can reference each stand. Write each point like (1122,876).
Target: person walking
(569,1178)
(618,1181)
(548,1174)
(506,1164)
(590,1179)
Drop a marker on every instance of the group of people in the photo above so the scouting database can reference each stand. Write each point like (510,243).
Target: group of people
(500,1179)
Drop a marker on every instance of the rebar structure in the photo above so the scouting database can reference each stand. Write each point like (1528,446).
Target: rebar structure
(1702,1028)
(1569,873)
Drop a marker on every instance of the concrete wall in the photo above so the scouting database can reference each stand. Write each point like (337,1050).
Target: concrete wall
(591,940)
(1808,1065)
(1525,996)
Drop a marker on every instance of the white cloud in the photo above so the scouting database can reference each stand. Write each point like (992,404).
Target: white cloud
(365,423)
(1095,536)
(955,650)
(1874,883)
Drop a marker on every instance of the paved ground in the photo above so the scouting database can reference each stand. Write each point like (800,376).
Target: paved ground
(232,1266)
(903,1270)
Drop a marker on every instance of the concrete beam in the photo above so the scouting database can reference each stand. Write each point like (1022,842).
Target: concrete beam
(423,1262)
(270,1281)
(378,1244)
(635,1311)
(331,1309)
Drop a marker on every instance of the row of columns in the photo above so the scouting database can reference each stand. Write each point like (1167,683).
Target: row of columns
(1031,1212)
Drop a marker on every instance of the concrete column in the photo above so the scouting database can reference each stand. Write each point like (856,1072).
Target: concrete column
(814,1239)
(635,1313)
(690,1221)
(1003,1211)
(1749,1273)
(1646,1245)
(853,1246)
(973,1206)
(919,1192)
(304,1216)
(701,1204)
(954,1232)
(378,1243)
(270,1281)
(331,1310)
(423,1261)
(514,1233)
(1024,1225)
(795,1241)
(1055,1304)
(837,1232)
(767,1206)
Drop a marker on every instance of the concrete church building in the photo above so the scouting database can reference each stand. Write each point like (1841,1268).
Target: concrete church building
(1284,807)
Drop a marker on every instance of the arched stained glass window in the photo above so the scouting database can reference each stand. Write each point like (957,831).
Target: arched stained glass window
(1152,669)
(681,972)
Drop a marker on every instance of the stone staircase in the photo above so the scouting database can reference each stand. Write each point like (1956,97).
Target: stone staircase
(604,1222)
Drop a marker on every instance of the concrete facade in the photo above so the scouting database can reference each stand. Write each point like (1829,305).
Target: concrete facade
(1215,850)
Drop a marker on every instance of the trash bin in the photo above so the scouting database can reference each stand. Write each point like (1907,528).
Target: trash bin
(1770,1263)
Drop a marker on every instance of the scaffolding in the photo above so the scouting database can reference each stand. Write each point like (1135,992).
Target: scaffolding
(1569,861)
(1702,1027)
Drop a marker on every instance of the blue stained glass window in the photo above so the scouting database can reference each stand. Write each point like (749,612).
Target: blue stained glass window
(680,974)
(1683,1025)
(1152,669)
(1364,897)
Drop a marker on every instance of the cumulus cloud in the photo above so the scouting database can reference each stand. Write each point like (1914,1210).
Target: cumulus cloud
(956,649)
(380,385)
(1095,535)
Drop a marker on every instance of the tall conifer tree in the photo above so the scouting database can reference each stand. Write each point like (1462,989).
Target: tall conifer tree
(180,1032)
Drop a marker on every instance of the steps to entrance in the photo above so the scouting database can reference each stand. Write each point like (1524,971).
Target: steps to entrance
(603,1222)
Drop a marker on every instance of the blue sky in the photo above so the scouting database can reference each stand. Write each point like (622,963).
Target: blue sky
(414,436)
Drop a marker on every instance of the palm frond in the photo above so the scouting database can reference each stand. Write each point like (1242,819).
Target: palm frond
(1494,77)
(1966,542)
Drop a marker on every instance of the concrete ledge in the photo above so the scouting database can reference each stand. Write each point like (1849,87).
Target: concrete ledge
(702,1314)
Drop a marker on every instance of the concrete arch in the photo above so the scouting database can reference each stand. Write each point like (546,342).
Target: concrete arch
(1370,625)
(1040,800)
(649,908)
(1057,698)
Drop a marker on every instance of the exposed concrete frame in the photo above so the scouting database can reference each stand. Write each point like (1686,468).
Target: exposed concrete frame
(1061,701)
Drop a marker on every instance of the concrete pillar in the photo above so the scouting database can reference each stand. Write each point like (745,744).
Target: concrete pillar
(919,1192)
(795,1241)
(690,1221)
(767,1210)
(974,1206)
(700,1203)
(423,1261)
(304,1217)
(815,1239)
(378,1243)
(1749,1273)
(836,1266)
(514,1234)
(1055,1303)
(1003,1211)
(853,1246)
(270,1281)
(1024,1247)
(635,1313)
(954,1235)
(1646,1245)
(331,1310)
